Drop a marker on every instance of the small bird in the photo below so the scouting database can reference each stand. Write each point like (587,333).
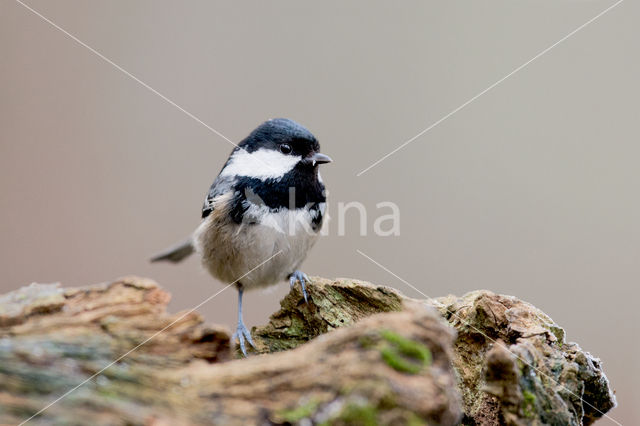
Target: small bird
(262,214)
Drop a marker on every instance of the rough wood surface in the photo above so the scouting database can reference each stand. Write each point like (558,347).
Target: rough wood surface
(515,366)
(355,354)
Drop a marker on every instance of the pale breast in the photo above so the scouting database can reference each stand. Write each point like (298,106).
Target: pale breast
(231,251)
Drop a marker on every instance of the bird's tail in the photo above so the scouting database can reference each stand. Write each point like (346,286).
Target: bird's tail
(176,253)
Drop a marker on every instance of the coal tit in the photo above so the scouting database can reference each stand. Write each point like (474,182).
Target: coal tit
(268,202)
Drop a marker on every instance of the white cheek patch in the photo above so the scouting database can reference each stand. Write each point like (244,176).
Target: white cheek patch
(261,164)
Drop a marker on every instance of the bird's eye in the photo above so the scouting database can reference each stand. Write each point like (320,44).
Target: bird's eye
(285,148)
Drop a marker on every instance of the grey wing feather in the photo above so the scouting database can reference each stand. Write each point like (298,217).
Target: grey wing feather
(176,253)
(219,187)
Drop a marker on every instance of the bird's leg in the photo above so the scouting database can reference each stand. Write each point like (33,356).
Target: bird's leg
(242,332)
(302,278)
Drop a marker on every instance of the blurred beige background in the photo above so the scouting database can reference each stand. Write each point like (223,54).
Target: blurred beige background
(532,190)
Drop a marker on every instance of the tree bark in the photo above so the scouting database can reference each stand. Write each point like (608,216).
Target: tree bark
(355,354)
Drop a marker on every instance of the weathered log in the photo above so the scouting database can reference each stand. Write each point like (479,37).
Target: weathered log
(355,354)
(514,365)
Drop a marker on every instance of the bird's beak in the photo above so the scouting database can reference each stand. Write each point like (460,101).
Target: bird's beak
(318,158)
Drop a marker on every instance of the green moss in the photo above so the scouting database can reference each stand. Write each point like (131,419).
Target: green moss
(528,404)
(335,294)
(297,327)
(559,333)
(403,354)
(301,412)
(397,362)
(408,347)
(360,415)
(414,420)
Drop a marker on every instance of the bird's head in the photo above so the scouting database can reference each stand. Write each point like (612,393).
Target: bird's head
(274,149)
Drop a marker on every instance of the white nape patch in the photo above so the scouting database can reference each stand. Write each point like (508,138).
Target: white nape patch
(260,164)
(323,208)
(320,211)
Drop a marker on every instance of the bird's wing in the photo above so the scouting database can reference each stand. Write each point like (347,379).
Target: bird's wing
(219,187)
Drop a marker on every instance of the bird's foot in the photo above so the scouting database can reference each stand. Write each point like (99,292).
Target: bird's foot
(241,334)
(303,279)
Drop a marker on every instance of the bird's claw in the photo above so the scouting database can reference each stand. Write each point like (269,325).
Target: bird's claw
(302,278)
(241,334)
